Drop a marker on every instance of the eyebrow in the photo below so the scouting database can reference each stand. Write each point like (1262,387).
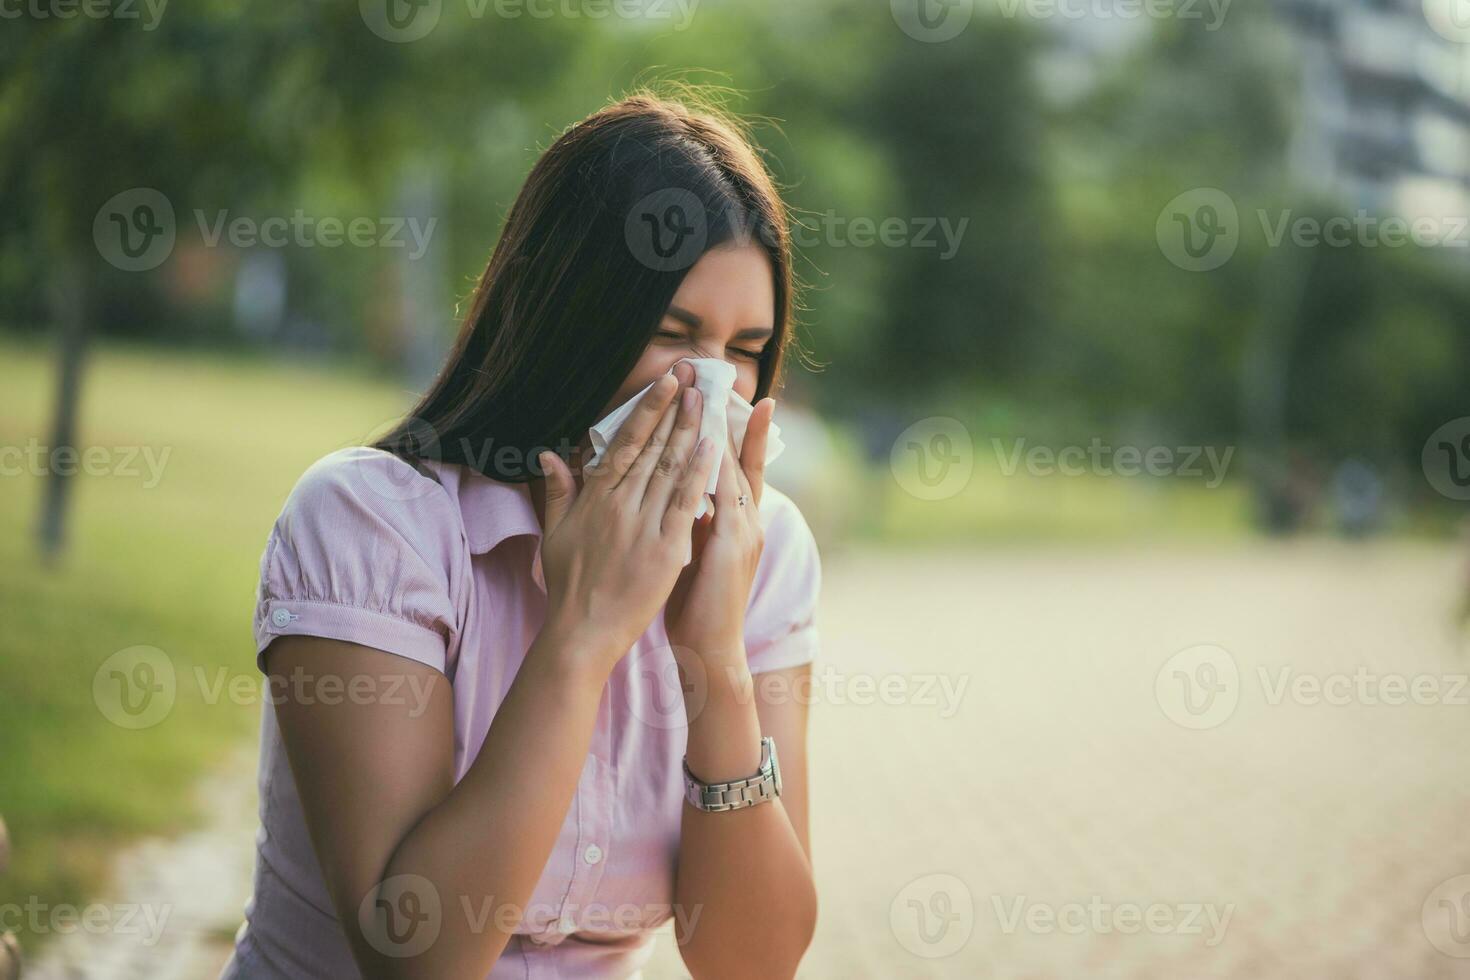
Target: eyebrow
(695,322)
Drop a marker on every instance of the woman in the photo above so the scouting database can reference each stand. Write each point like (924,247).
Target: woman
(503,709)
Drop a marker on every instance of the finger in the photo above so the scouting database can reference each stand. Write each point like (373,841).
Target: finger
(753,451)
(626,445)
(676,455)
(742,484)
(561,488)
(727,492)
(636,478)
(679,518)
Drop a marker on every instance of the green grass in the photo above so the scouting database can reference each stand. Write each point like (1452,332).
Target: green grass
(171,566)
(994,506)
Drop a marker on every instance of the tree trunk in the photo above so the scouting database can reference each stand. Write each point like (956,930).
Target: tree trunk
(69,310)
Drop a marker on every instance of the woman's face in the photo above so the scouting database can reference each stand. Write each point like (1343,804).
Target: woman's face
(723,309)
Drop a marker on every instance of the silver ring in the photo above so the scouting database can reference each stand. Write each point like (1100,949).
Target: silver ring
(742,500)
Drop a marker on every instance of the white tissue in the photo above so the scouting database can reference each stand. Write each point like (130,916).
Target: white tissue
(725,417)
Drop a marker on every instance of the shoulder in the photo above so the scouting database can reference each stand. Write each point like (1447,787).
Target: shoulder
(374,476)
(368,550)
(356,496)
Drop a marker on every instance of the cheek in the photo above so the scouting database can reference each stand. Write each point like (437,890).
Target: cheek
(655,362)
(747,376)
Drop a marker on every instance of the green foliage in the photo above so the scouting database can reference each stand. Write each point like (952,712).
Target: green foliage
(1056,302)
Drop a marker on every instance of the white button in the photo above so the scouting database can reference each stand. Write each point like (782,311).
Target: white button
(566,926)
(281,617)
(593,854)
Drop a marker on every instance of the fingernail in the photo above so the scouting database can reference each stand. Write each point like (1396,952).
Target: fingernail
(689,397)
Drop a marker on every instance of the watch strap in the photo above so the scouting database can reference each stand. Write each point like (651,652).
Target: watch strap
(762,787)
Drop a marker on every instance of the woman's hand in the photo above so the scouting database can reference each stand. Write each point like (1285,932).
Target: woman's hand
(612,551)
(705,613)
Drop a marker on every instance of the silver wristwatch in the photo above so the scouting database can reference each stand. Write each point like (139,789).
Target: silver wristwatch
(763,787)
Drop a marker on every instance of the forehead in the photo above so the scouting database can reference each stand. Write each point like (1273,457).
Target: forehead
(730,286)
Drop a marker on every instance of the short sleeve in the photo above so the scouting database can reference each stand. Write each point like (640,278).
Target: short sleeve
(365,550)
(781,620)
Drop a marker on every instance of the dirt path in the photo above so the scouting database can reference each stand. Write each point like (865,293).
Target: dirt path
(1054,790)
(176,903)
(1063,822)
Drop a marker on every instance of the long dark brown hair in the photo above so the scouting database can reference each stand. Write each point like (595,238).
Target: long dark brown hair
(604,230)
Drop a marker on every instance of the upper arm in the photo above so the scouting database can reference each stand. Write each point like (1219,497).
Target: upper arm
(370,739)
(781,643)
(781,703)
(356,622)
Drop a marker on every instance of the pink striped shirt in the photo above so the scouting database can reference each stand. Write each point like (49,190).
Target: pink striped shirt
(443,567)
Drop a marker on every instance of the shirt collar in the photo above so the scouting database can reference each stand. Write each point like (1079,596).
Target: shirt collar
(495,511)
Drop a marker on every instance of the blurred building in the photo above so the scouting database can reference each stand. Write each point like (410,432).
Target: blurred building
(1384,104)
(1384,99)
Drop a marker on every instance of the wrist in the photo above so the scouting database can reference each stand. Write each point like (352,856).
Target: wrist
(577,652)
(715,652)
(724,727)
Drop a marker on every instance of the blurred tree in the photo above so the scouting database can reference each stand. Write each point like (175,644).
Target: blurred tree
(114,131)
